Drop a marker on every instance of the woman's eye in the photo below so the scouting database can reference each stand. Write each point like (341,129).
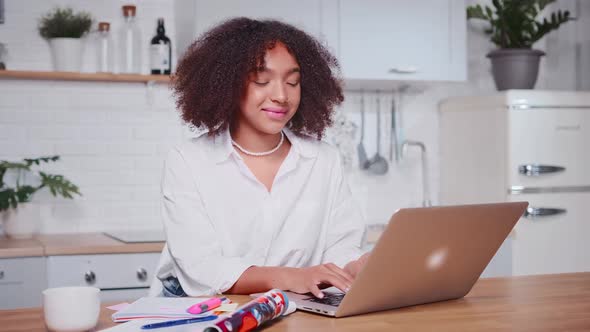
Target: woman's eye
(293,83)
(260,83)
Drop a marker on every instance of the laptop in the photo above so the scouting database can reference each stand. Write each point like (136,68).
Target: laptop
(424,255)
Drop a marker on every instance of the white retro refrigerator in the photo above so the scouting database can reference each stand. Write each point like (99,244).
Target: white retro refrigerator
(524,145)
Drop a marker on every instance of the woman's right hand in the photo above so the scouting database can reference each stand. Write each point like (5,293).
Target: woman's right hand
(309,279)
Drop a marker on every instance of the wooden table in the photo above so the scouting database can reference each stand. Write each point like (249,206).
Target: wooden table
(534,303)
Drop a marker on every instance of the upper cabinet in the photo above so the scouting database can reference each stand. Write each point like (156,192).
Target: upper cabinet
(309,15)
(385,40)
(377,42)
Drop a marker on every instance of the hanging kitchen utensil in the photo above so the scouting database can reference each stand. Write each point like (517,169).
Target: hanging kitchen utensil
(362,153)
(378,165)
(392,130)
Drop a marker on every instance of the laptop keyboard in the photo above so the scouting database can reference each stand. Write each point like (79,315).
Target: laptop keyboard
(329,299)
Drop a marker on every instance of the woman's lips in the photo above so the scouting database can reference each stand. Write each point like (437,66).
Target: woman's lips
(275,113)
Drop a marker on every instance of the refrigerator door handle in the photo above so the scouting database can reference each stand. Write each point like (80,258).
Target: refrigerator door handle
(533,212)
(536,169)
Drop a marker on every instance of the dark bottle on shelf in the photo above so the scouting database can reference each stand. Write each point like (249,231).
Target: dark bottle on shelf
(161,51)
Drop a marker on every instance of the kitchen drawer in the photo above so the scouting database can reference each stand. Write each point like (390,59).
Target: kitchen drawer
(21,282)
(13,270)
(552,137)
(108,271)
(554,243)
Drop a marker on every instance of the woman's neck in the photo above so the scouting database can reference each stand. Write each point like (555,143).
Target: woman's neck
(254,140)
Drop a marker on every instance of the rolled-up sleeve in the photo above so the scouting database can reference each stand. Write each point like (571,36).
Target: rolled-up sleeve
(346,226)
(192,243)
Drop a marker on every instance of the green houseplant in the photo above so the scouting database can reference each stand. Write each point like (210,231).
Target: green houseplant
(16,209)
(514,29)
(64,29)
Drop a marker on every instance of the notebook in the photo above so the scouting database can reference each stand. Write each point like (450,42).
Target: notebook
(135,326)
(159,308)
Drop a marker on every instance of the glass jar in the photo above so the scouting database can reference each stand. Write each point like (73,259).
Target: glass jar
(129,43)
(105,56)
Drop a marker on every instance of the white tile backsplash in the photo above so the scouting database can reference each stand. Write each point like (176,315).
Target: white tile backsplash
(113,137)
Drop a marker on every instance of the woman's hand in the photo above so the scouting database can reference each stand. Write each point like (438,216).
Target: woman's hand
(310,279)
(354,267)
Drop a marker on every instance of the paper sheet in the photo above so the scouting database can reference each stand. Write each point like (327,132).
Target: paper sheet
(159,308)
(119,306)
(135,326)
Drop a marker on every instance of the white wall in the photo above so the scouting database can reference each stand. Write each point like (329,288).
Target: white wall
(113,136)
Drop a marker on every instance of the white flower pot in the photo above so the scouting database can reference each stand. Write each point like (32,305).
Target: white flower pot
(66,54)
(22,222)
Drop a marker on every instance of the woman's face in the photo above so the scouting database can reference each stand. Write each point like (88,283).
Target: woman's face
(272,93)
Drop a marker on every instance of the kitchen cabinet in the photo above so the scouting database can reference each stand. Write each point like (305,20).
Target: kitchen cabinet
(119,276)
(317,18)
(22,279)
(378,42)
(384,40)
(524,145)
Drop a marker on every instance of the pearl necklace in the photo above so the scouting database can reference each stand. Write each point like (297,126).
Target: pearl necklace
(260,154)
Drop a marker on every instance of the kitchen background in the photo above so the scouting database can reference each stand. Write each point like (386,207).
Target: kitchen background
(113,137)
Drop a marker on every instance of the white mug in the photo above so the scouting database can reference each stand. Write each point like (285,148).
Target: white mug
(70,309)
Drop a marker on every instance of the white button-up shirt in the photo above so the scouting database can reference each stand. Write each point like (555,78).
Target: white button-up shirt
(220,220)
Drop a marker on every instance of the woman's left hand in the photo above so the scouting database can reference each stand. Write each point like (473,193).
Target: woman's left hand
(354,267)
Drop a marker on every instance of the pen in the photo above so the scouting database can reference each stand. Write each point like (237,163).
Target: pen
(205,305)
(178,322)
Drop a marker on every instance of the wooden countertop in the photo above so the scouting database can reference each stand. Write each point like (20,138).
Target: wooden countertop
(72,244)
(559,302)
(20,248)
(92,243)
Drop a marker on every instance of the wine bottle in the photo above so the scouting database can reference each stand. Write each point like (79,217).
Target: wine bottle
(161,51)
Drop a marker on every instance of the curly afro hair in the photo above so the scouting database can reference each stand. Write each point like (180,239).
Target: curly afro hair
(212,75)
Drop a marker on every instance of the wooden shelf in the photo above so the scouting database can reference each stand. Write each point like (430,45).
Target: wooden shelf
(83,77)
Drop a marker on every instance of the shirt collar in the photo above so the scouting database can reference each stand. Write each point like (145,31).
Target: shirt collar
(222,149)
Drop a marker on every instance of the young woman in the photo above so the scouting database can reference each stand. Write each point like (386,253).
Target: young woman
(259,201)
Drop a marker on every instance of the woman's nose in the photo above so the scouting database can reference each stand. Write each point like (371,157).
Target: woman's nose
(279,94)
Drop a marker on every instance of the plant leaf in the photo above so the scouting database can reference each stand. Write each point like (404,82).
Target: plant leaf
(476,12)
(24,193)
(8,199)
(38,161)
(62,22)
(514,22)
(12,165)
(58,185)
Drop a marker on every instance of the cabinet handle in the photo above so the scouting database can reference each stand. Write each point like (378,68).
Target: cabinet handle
(532,212)
(90,277)
(403,70)
(142,274)
(1,275)
(536,169)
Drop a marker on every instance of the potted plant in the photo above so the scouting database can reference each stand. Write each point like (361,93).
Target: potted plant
(64,29)
(514,29)
(18,213)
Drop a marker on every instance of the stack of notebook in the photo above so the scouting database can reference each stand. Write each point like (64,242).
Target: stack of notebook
(159,308)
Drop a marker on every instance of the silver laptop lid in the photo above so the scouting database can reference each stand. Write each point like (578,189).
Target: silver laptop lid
(430,254)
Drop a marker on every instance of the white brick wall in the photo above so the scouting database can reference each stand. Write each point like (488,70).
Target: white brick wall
(113,136)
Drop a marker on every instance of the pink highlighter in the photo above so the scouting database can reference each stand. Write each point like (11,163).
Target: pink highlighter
(201,307)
